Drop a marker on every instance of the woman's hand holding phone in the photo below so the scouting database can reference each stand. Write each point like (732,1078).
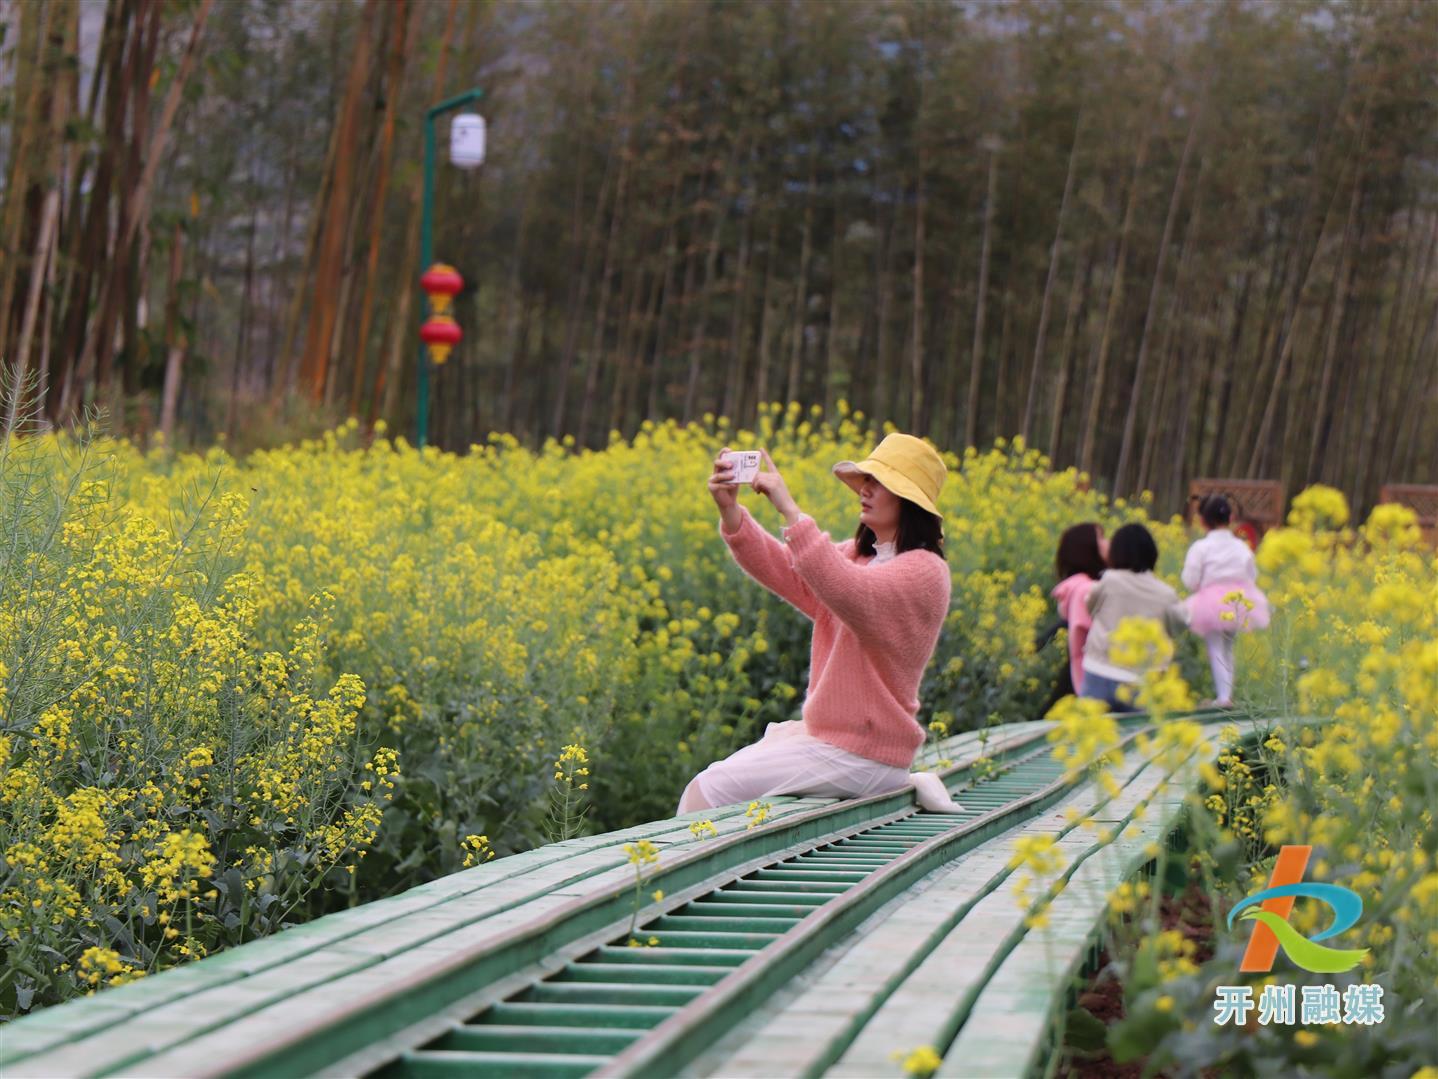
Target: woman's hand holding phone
(768,482)
(772,486)
(726,493)
(721,482)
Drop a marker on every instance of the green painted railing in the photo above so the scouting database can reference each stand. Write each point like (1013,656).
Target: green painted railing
(871,926)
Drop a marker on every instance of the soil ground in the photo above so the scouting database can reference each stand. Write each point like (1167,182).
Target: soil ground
(1190,912)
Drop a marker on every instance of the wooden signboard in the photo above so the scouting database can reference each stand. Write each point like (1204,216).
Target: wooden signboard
(1422,499)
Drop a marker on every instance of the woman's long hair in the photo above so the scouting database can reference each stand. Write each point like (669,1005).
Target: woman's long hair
(1079,553)
(918,530)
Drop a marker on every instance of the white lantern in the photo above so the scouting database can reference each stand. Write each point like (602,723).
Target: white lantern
(466,140)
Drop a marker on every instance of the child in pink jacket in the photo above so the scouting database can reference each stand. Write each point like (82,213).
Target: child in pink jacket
(878,602)
(1081,561)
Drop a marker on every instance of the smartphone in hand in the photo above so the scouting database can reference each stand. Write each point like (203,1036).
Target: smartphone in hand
(746,464)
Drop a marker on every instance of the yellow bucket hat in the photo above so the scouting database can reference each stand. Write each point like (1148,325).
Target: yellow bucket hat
(909,467)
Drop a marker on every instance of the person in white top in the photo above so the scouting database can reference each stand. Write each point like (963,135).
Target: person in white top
(1222,574)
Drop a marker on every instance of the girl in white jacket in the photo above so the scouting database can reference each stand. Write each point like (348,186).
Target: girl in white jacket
(1218,566)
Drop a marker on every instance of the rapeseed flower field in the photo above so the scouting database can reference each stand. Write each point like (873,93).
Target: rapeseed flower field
(238,694)
(1348,673)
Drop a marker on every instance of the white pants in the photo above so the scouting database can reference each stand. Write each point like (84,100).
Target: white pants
(789,760)
(1220,661)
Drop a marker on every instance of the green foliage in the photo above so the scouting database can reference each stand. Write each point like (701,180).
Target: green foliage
(807,192)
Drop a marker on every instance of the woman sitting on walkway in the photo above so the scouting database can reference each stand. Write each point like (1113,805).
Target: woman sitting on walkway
(877,601)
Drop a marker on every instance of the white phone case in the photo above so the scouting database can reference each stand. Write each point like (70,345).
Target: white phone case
(746,464)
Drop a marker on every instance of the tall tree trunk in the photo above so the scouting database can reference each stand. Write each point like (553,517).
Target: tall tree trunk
(79,229)
(738,363)
(1413,371)
(52,306)
(576,310)
(1342,281)
(516,311)
(1211,409)
(174,342)
(1391,365)
(302,281)
(155,153)
(518,353)
(631,299)
(1284,279)
(1286,352)
(242,350)
(1006,323)
(1247,443)
(766,315)
(314,364)
(1054,252)
(1364,482)
(117,292)
(135,246)
(883,380)
(976,358)
(1413,451)
(91,244)
(661,282)
(916,345)
(30,85)
(681,309)
(1191,375)
(834,373)
(1120,474)
(17,387)
(387,381)
(1154,422)
(18,390)
(347,301)
(668,302)
(699,341)
(393,86)
(593,361)
(1115,297)
(1083,267)
(97,334)
(801,287)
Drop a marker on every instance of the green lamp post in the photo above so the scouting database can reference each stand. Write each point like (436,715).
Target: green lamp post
(466,150)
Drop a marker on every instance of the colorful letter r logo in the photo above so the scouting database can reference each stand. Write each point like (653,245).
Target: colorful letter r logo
(1271,926)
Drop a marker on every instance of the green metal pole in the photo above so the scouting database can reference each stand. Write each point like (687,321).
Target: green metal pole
(426,244)
(426,255)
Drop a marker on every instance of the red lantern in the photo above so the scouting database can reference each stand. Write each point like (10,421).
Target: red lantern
(440,282)
(441,333)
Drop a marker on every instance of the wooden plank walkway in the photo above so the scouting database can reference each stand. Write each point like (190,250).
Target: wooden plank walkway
(952,964)
(210,1016)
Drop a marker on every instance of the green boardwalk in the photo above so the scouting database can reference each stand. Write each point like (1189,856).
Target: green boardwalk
(868,925)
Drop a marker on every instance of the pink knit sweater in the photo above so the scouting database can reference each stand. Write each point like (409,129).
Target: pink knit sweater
(875,630)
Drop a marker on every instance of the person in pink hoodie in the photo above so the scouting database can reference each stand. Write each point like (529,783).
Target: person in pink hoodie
(878,602)
(1082,558)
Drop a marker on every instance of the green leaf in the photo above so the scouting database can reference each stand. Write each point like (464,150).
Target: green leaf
(1137,1035)
(1084,1030)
